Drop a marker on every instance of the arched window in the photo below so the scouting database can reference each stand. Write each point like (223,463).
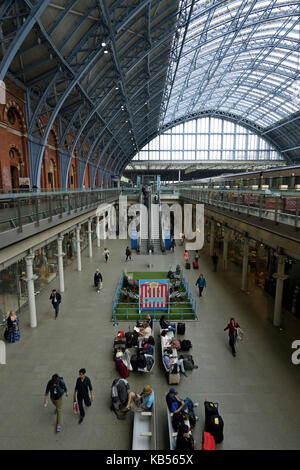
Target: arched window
(208,138)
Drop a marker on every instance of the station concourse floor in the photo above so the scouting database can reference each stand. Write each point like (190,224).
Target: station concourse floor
(257,391)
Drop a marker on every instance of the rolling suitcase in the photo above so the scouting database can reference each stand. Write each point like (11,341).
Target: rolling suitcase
(208,441)
(174,379)
(187,265)
(180,328)
(210,409)
(215,427)
(195,264)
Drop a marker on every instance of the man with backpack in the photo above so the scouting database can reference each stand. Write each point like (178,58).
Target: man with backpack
(57,387)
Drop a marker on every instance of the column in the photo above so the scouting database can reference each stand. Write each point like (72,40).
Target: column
(60,262)
(245,265)
(90,238)
(78,240)
(98,230)
(30,289)
(280,276)
(212,237)
(225,248)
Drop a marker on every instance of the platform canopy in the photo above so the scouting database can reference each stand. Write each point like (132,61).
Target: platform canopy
(113,74)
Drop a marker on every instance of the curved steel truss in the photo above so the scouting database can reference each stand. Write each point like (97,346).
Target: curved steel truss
(112,74)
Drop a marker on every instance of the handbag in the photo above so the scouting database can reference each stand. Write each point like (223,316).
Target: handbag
(239,334)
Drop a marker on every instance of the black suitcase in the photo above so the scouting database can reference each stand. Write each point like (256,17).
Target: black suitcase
(211,409)
(180,328)
(215,426)
(185,345)
(134,362)
(187,265)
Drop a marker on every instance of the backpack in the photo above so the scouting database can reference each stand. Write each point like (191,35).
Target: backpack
(177,421)
(185,345)
(141,361)
(56,390)
(188,362)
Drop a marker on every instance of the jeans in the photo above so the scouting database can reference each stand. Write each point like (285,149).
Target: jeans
(87,402)
(178,365)
(56,308)
(231,344)
(200,291)
(189,406)
(172,327)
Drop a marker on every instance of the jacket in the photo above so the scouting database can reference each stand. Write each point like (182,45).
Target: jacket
(201,282)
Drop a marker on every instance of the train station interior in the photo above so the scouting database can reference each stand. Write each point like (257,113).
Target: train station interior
(155,141)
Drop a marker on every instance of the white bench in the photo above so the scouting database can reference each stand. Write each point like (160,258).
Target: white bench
(172,433)
(144,430)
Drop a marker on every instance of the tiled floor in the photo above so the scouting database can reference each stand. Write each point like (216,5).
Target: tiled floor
(257,392)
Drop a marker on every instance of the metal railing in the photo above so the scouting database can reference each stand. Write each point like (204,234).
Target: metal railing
(130,311)
(19,209)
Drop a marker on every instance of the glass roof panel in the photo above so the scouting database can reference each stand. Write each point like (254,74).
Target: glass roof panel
(238,56)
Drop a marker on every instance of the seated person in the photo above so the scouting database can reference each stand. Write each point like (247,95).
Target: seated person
(176,404)
(145,330)
(148,345)
(185,441)
(144,401)
(175,344)
(173,365)
(149,321)
(170,274)
(166,325)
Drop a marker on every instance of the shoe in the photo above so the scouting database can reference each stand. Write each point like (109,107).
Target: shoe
(80,420)
(183,373)
(58,428)
(126,410)
(196,404)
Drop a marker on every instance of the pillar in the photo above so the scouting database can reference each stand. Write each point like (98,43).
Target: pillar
(78,248)
(90,238)
(212,237)
(225,248)
(280,276)
(245,265)
(60,261)
(98,230)
(30,289)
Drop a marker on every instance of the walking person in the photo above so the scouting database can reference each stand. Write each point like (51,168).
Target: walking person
(232,327)
(12,332)
(215,260)
(98,279)
(55,298)
(57,387)
(82,388)
(127,253)
(106,254)
(201,283)
(173,244)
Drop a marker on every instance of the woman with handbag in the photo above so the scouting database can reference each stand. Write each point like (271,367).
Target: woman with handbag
(232,327)
(12,333)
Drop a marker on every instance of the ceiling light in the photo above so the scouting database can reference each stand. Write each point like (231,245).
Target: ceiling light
(105,51)
(103,43)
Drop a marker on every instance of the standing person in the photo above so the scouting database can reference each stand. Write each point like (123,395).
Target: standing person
(201,283)
(197,256)
(232,327)
(12,332)
(215,259)
(127,253)
(186,256)
(57,387)
(82,388)
(55,298)
(173,244)
(98,279)
(106,254)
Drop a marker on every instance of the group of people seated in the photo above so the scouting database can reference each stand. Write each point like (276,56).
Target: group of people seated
(170,346)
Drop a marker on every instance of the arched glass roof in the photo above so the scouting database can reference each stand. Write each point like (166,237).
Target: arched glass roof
(236,56)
